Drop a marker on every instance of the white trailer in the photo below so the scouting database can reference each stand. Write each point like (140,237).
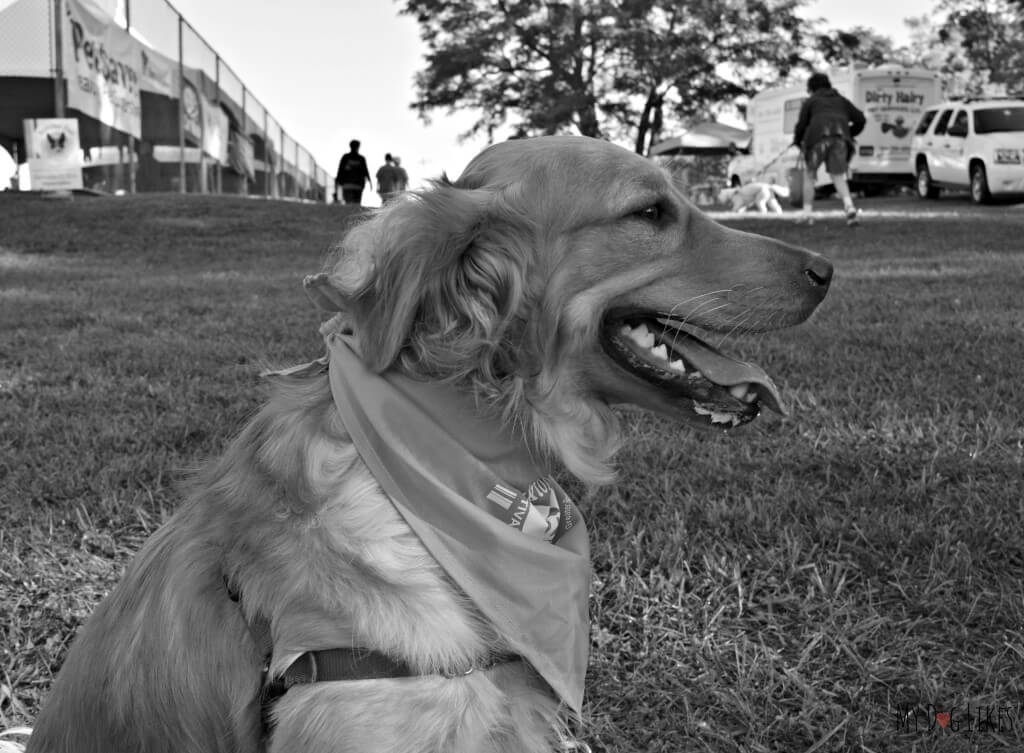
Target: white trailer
(892,98)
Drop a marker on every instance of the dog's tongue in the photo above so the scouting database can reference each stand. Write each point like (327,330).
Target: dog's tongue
(726,372)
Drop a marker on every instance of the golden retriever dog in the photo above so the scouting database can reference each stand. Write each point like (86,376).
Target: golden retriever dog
(555,278)
(762,196)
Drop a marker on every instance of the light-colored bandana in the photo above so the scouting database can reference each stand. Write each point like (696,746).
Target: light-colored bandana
(485,509)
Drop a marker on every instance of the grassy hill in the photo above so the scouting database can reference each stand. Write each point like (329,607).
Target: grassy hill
(830,581)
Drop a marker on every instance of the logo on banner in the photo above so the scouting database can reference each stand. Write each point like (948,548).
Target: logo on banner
(192,110)
(102,66)
(54,153)
(56,142)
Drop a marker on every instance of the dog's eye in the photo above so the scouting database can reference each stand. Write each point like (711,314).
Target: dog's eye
(651,213)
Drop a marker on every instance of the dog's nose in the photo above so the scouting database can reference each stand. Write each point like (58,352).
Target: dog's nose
(819,271)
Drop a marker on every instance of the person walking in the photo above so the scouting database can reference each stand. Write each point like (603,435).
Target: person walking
(824,132)
(387,178)
(401,176)
(353,175)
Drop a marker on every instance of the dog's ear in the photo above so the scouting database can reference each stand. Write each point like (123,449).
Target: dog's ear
(436,283)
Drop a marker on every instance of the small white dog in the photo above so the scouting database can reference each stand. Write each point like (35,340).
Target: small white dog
(764,196)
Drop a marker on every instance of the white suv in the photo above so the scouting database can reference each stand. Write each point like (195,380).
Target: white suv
(976,144)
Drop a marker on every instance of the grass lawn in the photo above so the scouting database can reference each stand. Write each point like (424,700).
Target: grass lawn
(836,580)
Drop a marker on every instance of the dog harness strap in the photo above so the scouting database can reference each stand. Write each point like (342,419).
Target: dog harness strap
(330,665)
(319,666)
(334,664)
(346,664)
(327,665)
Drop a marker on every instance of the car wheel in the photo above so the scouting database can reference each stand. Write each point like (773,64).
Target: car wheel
(925,188)
(979,184)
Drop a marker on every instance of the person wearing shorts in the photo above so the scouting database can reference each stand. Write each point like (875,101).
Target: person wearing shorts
(824,132)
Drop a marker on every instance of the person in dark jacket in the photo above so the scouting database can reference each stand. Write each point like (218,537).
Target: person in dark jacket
(824,132)
(353,174)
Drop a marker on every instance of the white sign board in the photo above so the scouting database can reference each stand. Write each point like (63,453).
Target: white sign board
(54,153)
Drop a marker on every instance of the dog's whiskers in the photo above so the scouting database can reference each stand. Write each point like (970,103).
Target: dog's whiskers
(671,312)
(738,322)
(693,313)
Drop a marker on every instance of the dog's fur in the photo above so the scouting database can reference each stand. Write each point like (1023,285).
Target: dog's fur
(763,196)
(498,284)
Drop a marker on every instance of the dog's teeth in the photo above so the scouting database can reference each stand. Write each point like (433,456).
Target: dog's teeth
(642,336)
(626,331)
(739,390)
(677,366)
(716,417)
(661,352)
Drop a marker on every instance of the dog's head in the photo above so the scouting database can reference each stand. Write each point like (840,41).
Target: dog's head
(560,275)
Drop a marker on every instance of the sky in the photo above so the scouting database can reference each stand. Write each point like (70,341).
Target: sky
(335,70)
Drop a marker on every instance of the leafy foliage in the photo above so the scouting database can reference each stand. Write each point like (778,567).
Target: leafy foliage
(990,35)
(540,62)
(977,46)
(606,67)
(858,44)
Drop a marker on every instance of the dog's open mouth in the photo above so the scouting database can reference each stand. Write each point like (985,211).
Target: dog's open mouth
(723,390)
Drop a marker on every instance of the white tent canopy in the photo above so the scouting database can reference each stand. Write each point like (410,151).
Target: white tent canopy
(708,138)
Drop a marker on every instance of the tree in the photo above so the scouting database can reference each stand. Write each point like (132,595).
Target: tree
(680,59)
(856,45)
(940,51)
(528,65)
(598,67)
(977,45)
(991,35)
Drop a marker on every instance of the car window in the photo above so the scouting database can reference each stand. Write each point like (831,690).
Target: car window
(999,119)
(942,122)
(926,120)
(959,125)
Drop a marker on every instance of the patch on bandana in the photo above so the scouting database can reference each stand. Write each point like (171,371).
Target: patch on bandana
(543,511)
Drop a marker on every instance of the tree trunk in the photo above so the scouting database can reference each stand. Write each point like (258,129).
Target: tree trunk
(648,118)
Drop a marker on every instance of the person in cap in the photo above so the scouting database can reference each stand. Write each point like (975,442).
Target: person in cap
(825,132)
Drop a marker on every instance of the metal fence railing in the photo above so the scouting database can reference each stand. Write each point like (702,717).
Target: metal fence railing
(158,109)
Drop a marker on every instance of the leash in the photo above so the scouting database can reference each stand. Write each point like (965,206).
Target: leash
(330,665)
(775,159)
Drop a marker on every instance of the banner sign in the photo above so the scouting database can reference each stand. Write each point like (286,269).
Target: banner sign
(54,153)
(191,111)
(159,74)
(102,64)
(242,157)
(215,131)
(206,124)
